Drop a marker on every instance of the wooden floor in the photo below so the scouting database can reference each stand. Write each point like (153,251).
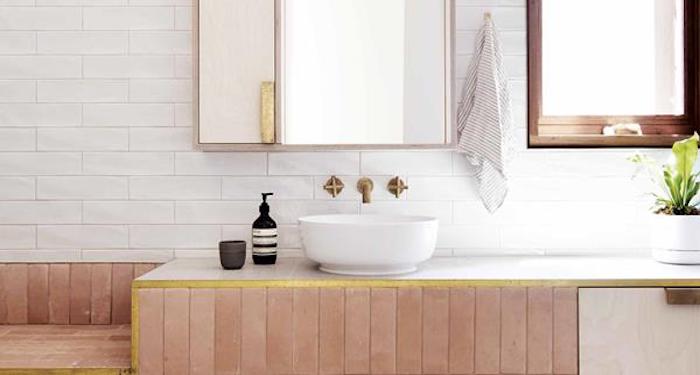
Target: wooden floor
(63,347)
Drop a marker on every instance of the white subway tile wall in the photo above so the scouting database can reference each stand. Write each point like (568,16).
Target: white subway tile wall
(97,163)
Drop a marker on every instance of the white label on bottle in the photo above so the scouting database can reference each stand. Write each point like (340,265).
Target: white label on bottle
(265,232)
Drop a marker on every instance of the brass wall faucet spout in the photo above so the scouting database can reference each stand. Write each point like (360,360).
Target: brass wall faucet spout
(365,186)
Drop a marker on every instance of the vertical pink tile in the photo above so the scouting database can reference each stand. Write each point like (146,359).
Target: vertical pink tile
(565,331)
(279,330)
(142,268)
(3,304)
(38,292)
(253,331)
(357,322)
(101,294)
(202,317)
(80,279)
(462,310)
(16,285)
(228,332)
(150,331)
(176,332)
(331,331)
(59,294)
(305,337)
(436,315)
(383,331)
(409,330)
(488,331)
(539,331)
(122,275)
(513,330)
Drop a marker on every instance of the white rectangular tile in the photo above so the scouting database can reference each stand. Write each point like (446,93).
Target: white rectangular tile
(82,42)
(44,163)
(128,18)
(17,188)
(128,114)
(17,42)
(41,18)
(128,212)
(82,187)
(175,188)
(183,18)
(442,210)
(17,91)
(40,67)
(289,212)
(249,188)
(40,256)
(128,256)
(128,163)
(17,139)
(16,237)
(30,114)
(468,236)
(34,212)
(414,163)
(216,212)
(221,163)
(82,139)
(86,91)
(165,42)
(174,236)
(314,163)
(183,114)
(160,90)
(161,139)
(128,66)
(442,188)
(82,236)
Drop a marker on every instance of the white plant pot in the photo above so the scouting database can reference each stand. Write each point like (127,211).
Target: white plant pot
(676,239)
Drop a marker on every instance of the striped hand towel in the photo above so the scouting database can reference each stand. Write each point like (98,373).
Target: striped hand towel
(484,118)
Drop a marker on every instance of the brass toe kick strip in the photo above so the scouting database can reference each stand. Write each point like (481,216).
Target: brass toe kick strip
(67,371)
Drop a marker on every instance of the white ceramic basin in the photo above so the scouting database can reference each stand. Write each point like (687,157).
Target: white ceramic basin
(368,245)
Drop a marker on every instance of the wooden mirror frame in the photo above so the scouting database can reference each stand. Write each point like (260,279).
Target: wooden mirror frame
(450,99)
(586,131)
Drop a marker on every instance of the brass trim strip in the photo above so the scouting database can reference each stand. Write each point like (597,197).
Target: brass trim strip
(377,283)
(134,327)
(67,371)
(267,112)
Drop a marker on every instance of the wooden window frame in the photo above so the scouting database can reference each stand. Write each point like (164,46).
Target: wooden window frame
(586,131)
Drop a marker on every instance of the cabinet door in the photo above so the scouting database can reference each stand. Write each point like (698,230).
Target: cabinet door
(235,46)
(635,332)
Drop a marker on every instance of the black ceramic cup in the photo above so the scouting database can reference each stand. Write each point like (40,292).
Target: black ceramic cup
(232,254)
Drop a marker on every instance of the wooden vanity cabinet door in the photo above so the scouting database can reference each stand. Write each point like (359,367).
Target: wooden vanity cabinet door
(629,331)
(235,54)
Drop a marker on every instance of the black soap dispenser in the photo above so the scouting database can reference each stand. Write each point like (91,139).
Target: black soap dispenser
(264,235)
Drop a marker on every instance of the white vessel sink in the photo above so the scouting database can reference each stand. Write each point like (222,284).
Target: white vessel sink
(367,245)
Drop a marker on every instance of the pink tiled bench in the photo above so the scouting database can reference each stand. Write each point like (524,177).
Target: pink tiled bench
(62,293)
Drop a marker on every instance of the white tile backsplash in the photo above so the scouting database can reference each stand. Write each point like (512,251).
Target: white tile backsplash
(97,163)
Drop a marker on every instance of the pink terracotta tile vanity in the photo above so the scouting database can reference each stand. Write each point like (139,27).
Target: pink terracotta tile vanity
(456,316)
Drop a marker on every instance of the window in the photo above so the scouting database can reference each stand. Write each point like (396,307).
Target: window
(598,63)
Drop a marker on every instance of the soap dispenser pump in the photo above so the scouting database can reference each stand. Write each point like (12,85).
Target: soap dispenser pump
(264,235)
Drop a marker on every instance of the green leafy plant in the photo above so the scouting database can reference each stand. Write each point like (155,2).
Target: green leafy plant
(677,181)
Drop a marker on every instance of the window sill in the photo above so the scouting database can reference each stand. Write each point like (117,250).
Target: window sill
(595,141)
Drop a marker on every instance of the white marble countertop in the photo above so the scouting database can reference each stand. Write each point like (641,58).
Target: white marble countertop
(595,271)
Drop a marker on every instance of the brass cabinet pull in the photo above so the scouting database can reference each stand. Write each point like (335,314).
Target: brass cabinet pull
(682,296)
(267,113)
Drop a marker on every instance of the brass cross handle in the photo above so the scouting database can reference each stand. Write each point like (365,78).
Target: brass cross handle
(333,186)
(397,186)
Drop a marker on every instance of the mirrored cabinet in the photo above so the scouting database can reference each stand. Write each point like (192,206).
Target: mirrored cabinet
(323,74)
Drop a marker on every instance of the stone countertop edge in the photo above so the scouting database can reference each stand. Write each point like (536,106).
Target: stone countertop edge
(574,271)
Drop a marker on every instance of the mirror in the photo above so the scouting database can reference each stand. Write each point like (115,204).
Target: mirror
(327,74)
(364,72)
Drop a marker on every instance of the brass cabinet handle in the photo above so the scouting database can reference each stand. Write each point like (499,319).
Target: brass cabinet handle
(682,296)
(267,113)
